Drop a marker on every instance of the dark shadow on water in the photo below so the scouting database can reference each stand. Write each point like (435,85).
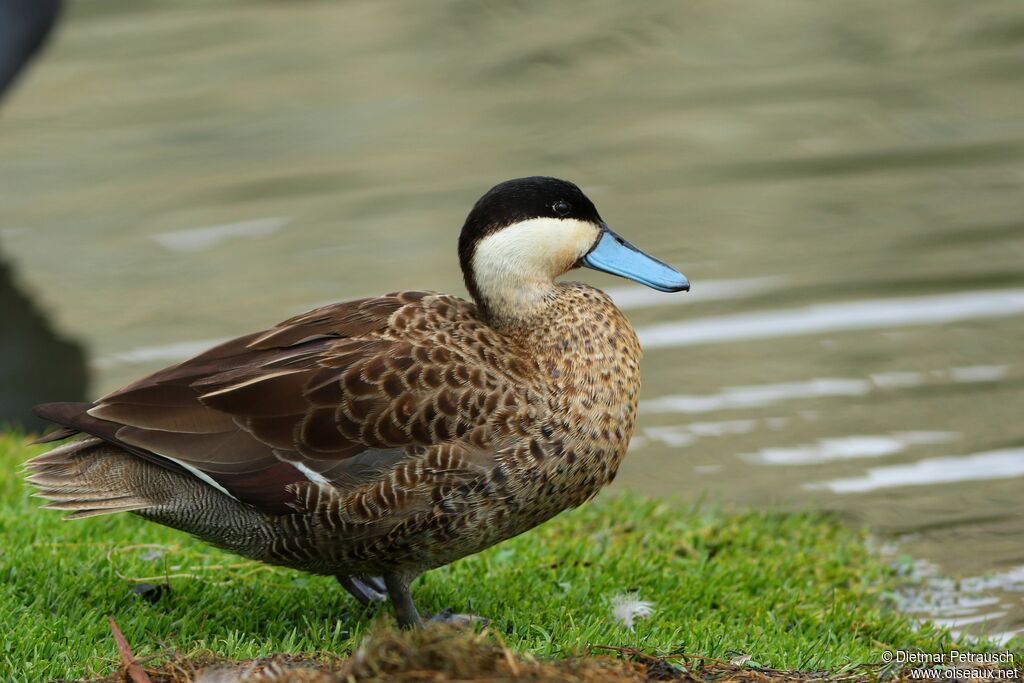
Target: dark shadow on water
(37,364)
(24,27)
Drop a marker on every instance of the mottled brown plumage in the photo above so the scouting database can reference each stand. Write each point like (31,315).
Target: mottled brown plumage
(378,437)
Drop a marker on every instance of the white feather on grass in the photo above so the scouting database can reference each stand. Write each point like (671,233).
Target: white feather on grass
(628,607)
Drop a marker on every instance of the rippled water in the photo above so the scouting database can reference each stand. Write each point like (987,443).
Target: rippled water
(841,181)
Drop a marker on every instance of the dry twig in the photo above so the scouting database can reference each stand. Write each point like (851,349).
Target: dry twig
(135,672)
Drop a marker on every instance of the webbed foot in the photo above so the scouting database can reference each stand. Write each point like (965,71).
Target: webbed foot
(368,590)
(449,616)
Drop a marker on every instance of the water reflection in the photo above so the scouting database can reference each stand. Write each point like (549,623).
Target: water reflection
(685,434)
(732,398)
(846,448)
(761,395)
(1001,464)
(963,604)
(631,298)
(162,353)
(201,239)
(836,317)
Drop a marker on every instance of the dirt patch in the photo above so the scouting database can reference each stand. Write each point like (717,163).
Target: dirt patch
(438,653)
(447,654)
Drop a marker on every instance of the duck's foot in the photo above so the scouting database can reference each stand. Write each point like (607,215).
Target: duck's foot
(368,590)
(449,616)
(397,585)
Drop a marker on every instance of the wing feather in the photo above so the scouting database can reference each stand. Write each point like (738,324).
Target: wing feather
(336,396)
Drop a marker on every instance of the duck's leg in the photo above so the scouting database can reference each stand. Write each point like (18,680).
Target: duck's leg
(407,614)
(367,590)
(401,599)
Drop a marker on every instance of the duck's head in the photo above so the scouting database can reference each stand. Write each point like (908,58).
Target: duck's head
(524,233)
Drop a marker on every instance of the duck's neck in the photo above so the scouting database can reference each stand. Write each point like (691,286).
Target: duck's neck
(511,272)
(578,328)
(581,324)
(519,309)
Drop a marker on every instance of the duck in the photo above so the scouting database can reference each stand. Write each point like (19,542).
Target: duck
(376,439)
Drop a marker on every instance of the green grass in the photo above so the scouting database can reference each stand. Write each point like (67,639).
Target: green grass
(793,591)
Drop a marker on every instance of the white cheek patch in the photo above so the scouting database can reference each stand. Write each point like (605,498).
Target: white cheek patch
(536,250)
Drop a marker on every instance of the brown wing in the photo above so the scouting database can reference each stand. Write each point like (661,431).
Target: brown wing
(330,396)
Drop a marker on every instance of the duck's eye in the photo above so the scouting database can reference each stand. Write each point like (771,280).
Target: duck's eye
(561,207)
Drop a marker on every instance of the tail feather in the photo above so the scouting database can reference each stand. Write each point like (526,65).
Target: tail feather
(58,434)
(77,509)
(74,418)
(92,477)
(60,456)
(86,478)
